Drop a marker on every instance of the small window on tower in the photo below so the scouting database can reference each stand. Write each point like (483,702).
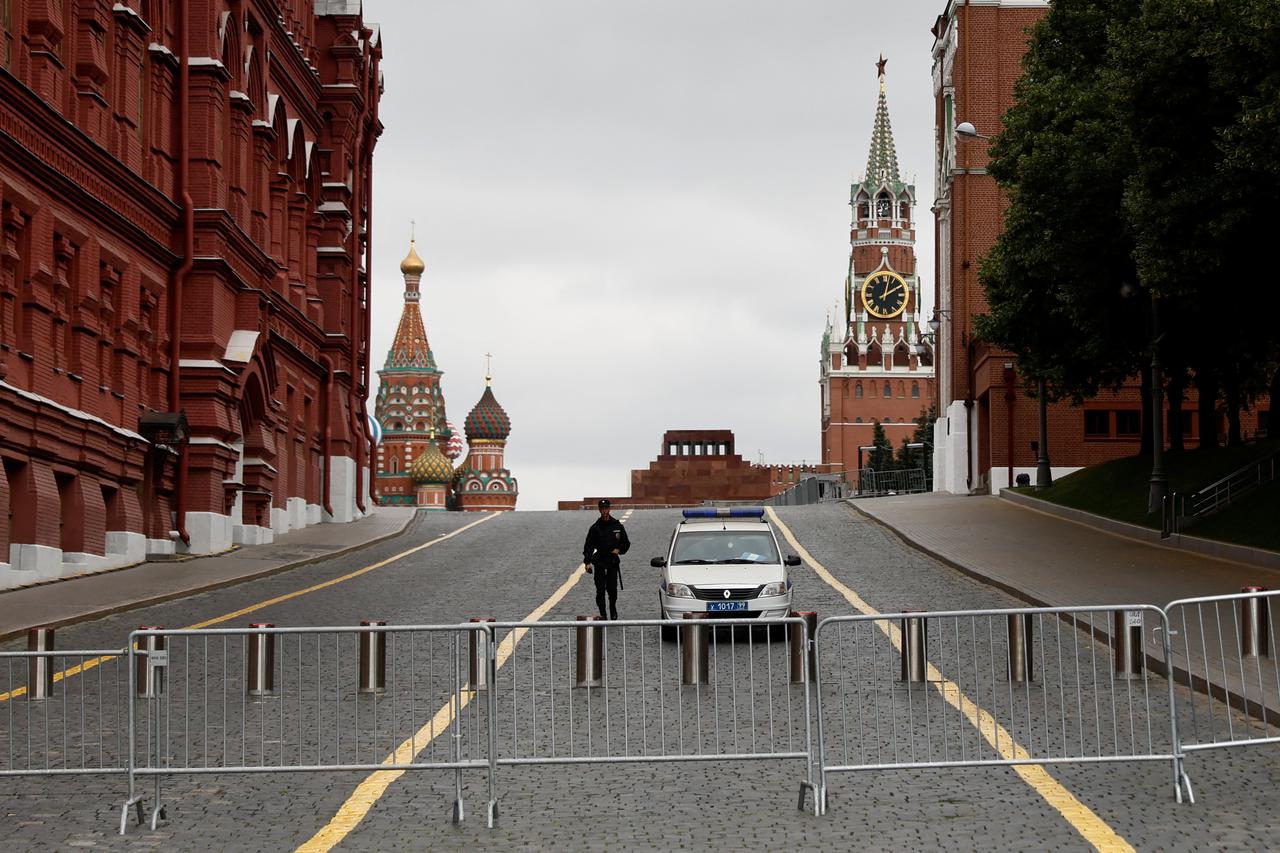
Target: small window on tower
(864,211)
(888,392)
(915,389)
(883,206)
(857,391)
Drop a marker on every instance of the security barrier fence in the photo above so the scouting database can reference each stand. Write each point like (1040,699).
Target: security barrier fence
(918,690)
(1225,648)
(908,691)
(63,712)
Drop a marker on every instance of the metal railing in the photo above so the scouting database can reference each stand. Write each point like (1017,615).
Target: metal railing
(63,712)
(976,688)
(279,700)
(811,490)
(1219,494)
(720,691)
(872,483)
(1224,648)
(960,688)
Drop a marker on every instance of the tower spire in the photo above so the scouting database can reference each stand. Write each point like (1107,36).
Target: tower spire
(882,161)
(410,347)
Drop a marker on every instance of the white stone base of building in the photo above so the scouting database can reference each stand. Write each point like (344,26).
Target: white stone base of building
(251,534)
(279,521)
(162,547)
(951,432)
(130,547)
(209,532)
(315,514)
(30,564)
(342,490)
(297,510)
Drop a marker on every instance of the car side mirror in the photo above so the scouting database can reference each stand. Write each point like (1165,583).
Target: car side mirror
(658,562)
(791,560)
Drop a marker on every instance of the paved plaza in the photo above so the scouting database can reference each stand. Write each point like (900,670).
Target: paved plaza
(505,567)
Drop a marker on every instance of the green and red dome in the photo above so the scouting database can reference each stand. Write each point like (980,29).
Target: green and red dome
(487,421)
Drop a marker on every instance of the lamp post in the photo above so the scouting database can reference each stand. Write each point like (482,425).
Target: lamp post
(1044,473)
(1159,482)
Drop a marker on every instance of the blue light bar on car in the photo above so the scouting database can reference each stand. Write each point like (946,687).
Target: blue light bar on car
(725,512)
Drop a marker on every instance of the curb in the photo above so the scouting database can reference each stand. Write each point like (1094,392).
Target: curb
(1257,558)
(1003,586)
(223,584)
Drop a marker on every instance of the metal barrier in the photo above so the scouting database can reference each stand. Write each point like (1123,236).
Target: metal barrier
(263,699)
(1223,647)
(645,709)
(998,687)
(62,712)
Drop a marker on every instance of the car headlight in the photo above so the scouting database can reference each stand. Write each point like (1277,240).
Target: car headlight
(778,588)
(679,590)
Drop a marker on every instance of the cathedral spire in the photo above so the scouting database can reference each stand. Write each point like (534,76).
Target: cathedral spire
(410,348)
(882,161)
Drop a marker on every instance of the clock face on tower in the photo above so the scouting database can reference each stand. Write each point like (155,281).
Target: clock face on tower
(884,294)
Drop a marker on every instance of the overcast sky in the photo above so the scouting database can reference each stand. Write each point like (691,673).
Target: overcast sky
(640,207)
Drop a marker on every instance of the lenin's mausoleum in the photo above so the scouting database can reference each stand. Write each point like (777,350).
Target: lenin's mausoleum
(184,247)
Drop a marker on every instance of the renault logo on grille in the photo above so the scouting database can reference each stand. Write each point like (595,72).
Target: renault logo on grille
(726,593)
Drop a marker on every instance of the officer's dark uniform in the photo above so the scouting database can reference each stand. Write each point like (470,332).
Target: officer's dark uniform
(603,537)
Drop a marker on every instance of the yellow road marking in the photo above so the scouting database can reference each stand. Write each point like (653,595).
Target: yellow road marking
(1092,828)
(244,611)
(368,792)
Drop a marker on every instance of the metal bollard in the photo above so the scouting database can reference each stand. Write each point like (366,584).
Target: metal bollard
(590,652)
(373,658)
(802,641)
(694,655)
(260,661)
(39,669)
(1126,639)
(478,670)
(1021,638)
(1255,626)
(149,669)
(915,641)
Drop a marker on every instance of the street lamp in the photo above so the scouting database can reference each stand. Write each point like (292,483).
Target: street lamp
(967,130)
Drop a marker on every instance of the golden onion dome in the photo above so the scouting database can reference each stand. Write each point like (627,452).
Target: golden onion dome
(412,264)
(431,468)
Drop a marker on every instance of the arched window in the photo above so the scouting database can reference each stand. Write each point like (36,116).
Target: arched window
(864,210)
(902,388)
(397,425)
(857,391)
(904,211)
(394,467)
(915,390)
(888,392)
(884,207)
(857,420)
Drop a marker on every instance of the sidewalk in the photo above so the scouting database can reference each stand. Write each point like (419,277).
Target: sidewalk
(92,596)
(1050,561)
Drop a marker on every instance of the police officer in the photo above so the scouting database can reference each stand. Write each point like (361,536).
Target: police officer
(606,542)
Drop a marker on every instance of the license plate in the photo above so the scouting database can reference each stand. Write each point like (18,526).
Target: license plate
(726,605)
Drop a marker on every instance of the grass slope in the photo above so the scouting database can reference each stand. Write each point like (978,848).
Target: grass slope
(1118,490)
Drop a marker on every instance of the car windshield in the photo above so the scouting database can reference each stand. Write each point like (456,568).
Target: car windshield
(725,546)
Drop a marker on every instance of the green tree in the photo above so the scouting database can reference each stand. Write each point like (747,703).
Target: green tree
(1060,278)
(881,459)
(918,457)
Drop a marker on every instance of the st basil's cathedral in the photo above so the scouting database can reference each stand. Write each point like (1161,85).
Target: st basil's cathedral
(418,445)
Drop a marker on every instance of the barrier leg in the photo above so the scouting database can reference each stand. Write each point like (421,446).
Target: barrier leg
(589,652)
(1126,640)
(695,659)
(914,652)
(1254,633)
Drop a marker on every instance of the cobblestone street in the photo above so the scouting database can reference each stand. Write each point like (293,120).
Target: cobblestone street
(504,568)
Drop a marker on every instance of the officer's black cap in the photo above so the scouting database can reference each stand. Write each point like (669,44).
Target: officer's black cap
(604,502)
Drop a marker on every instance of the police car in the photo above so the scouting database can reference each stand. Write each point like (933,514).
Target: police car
(724,562)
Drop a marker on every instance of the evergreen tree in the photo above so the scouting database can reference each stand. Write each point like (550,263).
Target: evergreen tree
(881,459)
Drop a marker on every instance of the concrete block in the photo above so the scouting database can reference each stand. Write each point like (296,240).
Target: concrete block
(123,543)
(342,489)
(315,514)
(297,510)
(210,533)
(162,547)
(36,562)
(251,534)
(279,521)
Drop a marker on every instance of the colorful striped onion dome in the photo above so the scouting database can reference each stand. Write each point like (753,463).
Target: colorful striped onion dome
(487,420)
(454,448)
(431,468)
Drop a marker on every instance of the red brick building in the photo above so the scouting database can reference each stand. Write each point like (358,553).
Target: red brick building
(183,297)
(696,465)
(877,361)
(984,435)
